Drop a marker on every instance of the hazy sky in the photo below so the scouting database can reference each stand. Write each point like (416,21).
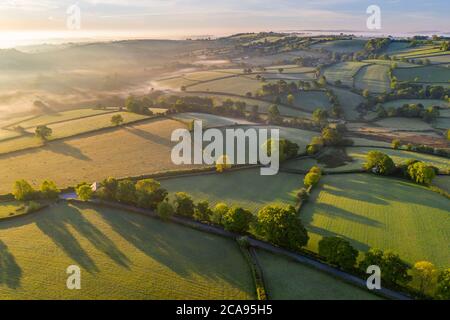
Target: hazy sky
(225,16)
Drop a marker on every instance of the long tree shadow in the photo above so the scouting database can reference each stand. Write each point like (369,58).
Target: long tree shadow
(184,251)
(57,228)
(10,271)
(63,148)
(335,212)
(149,136)
(327,233)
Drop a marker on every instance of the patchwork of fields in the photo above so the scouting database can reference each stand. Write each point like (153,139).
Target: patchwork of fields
(379,212)
(121,256)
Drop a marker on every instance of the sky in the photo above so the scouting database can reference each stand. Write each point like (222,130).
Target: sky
(169,18)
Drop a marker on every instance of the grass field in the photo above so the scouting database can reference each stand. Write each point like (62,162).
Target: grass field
(343,71)
(11,208)
(209,120)
(374,78)
(341,46)
(442,182)
(349,102)
(245,188)
(311,100)
(442,123)
(359,156)
(127,151)
(398,123)
(235,85)
(385,213)
(289,280)
(121,256)
(427,74)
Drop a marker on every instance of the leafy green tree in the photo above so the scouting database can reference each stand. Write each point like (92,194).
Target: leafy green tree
(48,190)
(424,273)
(281,226)
(237,220)
(184,205)
(126,192)
(421,173)
(393,269)
(303,195)
(23,191)
(286,148)
(290,99)
(311,179)
(84,192)
(218,212)
(149,193)
(443,285)
(43,132)
(273,115)
(379,163)
(109,188)
(117,120)
(331,136)
(202,212)
(320,116)
(165,210)
(338,251)
(396,144)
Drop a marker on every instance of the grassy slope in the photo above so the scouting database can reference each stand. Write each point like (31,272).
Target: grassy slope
(121,255)
(132,150)
(424,74)
(242,188)
(343,71)
(349,102)
(374,78)
(341,46)
(380,212)
(287,279)
(236,85)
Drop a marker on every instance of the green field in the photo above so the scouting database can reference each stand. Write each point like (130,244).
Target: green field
(374,78)
(428,74)
(343,71)
(341,46)
(121,256)
(209,120)
(408,124)
(385,213)
(349,102)
(442,182)
(234,85)
(245,188)
(286,279)
(311,100)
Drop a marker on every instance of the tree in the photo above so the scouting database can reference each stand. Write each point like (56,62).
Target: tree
(393,269)
(290,99)
(281,226)
(421,173)
(311,179)
(43,132)
(149,193)
(303,195)
(202,211)
(49,190)
(443,285)
(109,188)
(365,93)
(237,220)
(126,191)
(223,163)
(218,212)
(331,136)
(338,251)
(184,206)
(165,210)
(320,116)
(84,192)
(23,191)
(273,115)
(379,163)
(396,144)
(424,272)
(117,120)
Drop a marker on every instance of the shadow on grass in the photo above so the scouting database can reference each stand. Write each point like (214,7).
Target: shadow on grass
(149,136)
(10,272)
(63,148)
(57,229)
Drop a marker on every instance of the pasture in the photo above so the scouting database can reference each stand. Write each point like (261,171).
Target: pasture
(349,102)
(341,46)
(210,120)
(286,279)
(399,123)
(244,188)
(310,100)
(427,74)
(11,208)
(379,212)
(234,85)
(119,152)
(343,71)
(121,255)
(374,78)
